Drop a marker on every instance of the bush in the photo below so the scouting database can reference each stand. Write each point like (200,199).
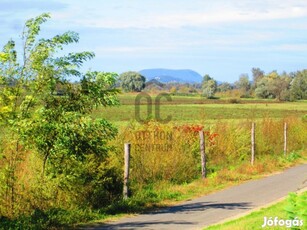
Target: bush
(234,101)
(296,207)
(51,219)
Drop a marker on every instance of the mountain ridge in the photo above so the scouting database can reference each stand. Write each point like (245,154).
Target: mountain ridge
(172,75)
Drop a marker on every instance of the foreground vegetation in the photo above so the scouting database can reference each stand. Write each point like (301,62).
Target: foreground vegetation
(53,153)
(61,160)
(159,179)
(152,196)
(256,219)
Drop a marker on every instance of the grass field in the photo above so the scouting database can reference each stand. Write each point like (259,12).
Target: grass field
(185,109)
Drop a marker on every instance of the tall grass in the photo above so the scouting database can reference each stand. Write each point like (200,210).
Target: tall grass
(159,152)
(171,152)
(165,161)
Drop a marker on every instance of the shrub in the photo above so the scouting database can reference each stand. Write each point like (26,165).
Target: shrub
(296,207)
(234,101)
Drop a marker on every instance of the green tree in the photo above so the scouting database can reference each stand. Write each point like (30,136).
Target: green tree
(206,78)
(132,81)
(243,85)
(56,129)
(281,87)
(264,88)
(298,88)
(225,86)
(209,86)
(257,75)
(274,86)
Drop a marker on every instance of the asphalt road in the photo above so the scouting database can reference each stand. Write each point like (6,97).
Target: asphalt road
(210,209)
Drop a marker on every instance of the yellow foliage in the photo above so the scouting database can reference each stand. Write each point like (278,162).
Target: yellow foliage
(4,57)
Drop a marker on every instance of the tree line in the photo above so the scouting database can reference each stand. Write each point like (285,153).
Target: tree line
(282,87)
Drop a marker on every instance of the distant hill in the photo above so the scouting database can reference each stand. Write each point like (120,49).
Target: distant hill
(154,82)
(169,75)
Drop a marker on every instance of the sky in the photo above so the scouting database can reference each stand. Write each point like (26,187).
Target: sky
(222,38)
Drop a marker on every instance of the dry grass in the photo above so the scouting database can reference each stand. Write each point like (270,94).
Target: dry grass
(227,148)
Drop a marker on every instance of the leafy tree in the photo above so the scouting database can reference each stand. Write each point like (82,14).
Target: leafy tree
(243,85)
(258,74)
(132,81)
(173,90)
(59,129)
(264,88)
(280,88)
(298,88)
(274,86)
(206,78)
(209,86)
(225,86)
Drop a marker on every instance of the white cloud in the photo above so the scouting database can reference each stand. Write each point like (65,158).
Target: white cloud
(168,15)
(291,47)
(128,49)
(196,34)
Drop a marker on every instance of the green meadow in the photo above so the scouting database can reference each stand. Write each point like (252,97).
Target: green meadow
(184,109)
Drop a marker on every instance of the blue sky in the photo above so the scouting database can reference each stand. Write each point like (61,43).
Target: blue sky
(223,38)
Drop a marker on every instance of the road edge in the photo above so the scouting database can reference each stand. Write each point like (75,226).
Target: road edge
(299,191)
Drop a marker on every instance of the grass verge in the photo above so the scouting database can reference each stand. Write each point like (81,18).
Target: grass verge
(255,219)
